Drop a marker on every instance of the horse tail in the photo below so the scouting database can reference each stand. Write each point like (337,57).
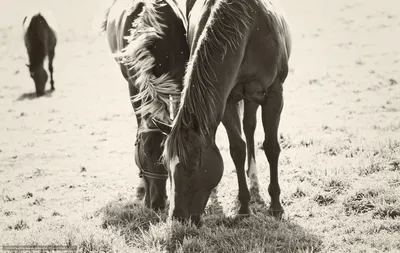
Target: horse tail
(155,92)
(100,23)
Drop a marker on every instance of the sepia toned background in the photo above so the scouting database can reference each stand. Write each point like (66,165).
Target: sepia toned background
(64,156)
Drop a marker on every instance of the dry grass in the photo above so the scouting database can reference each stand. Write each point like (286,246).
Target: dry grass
(66,159)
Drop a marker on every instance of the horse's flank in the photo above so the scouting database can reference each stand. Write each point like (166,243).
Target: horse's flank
(46,14)
(40,36)
(222,32)
(155,93)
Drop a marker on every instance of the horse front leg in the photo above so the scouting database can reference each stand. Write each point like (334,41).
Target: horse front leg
(271,112)
(237,147)
(51,58)
(133,91)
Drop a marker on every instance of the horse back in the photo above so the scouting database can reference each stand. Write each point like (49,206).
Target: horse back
(39,36)
(169,49)
(269,43)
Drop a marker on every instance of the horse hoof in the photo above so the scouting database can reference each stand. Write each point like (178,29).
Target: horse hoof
(140,191)
(277,213)
(244,211)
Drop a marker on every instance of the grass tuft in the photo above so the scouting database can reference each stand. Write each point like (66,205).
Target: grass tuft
(131,216)
(336,185)
(298,193)
(372,168)
(387,211)
(359,203)
(39,218)
(28,195)
(37,202)
(8,213)
(324,199)
(21,225)
(92,245)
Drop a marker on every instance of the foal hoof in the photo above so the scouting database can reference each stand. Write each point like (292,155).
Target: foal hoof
(277,213)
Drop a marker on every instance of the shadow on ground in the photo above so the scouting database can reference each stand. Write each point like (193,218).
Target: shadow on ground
(147,230)
(32,95)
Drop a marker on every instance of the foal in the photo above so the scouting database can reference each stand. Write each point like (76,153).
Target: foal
(40,39)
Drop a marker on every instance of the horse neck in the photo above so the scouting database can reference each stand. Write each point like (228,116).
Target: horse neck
(209,80)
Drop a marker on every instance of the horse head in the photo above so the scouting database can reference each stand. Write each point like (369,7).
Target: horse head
(195,170)
(148,150)
(39,76)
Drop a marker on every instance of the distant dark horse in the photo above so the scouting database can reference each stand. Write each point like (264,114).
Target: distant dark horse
(239,50)
(40,40)
(147,38)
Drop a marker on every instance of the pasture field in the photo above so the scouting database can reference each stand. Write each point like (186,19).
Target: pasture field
(67,171)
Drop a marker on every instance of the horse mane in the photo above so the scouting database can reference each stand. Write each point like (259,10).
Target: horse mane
(200,98)
(155,93)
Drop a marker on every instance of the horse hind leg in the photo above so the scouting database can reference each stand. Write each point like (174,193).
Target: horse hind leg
(51,70)
(249,127)
(271,112)
(237,147)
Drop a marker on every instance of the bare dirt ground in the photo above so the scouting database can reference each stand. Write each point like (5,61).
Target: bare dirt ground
(64,156)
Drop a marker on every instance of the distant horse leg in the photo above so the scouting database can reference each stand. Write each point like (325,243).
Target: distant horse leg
(249,127)
(271,112)
(133,91)
(237,146)
(51,57)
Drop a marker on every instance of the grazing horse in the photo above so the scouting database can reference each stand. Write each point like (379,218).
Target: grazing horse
(239,50)
(147,39)
(40,38)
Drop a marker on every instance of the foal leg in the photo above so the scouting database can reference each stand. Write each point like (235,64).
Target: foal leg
(249,127)
(51,57)
(271,112)
(237,147)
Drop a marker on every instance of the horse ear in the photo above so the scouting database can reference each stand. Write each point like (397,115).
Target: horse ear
(165,128)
